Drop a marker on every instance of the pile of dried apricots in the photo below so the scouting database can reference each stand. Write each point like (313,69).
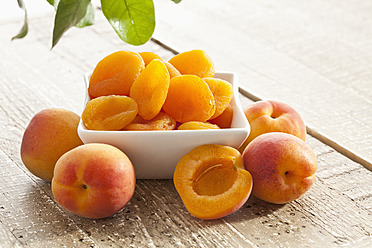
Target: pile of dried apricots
(132,91)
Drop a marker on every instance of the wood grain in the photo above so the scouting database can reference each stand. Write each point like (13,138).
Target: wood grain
(336,211)
(315,55)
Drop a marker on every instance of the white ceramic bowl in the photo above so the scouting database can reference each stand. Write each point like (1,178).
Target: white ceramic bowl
(155,154)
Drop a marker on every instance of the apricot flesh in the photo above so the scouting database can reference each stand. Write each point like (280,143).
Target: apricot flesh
(50,133)
(212,182)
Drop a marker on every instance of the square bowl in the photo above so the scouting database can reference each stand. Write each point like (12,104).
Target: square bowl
(155,154)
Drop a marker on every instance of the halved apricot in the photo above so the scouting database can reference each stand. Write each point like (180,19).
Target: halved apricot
(115,74)
(195,62)
(189,99)
(150,89)
(160,122)
(110,113)
(222,92)
(196,125)
(212,182)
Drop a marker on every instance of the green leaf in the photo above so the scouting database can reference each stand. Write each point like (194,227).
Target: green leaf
(132,20)
(176,1)
(88,18)
(54,3)
(69,13)
(24,30)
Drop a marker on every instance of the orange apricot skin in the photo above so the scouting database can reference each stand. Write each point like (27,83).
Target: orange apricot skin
(173,72)
(273,116)
(93,181)
(282,166)
(150,89)
(218,204)
(160,122)
(222,92)
(189,99)
(224,120)
(197,125)
(115,74)
(110,113)
(149,56)
(195,62)
(50,133)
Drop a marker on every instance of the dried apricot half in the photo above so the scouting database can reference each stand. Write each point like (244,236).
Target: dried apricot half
(150,89)
(195,62)
(149,56)
(212,182)
(224,120)
(115,74)
(189,99)
(160,122)
(171,69)
(196,125)
(110,113)
(222,92)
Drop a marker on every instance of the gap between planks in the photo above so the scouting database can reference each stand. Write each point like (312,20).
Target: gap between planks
(322,137)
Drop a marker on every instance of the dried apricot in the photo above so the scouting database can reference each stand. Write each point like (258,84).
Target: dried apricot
(189,99)
(195,125)
(109,113)
(222,92)
(160,122)
(115,74)
(224,120)
(149,56)
(173,72)
(150,89)
(195,62)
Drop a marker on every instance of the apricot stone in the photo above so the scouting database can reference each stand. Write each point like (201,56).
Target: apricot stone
(50,133)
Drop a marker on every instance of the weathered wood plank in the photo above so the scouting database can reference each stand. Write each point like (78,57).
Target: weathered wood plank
(336,211)
(315,56)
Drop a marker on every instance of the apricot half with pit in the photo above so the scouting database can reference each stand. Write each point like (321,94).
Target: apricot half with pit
(212,182)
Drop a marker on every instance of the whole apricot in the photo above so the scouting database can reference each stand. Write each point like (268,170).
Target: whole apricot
(50,133)
(212,182)
(273,116)
(93,180)
(282,166)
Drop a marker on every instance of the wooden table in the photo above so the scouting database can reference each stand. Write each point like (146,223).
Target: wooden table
(314,55)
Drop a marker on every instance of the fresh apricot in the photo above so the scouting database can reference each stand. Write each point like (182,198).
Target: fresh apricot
(224,120)
(189,99)
(160,122)
(93,180)
(150,89)
(195,62)
(115,74)
(149,56)
(222,92)
(196,125)
(50,133)
(109,113)
(212,182)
